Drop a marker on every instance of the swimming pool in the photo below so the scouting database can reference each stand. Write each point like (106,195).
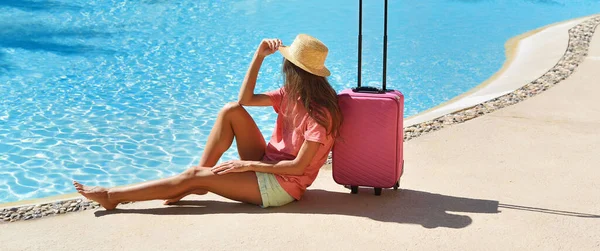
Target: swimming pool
(111,92)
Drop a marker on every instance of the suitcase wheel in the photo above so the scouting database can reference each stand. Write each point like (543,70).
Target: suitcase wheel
(397,185)
(377,191)
(354,189)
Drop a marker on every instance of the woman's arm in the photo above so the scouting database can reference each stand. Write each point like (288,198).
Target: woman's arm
(246,95)
(286,167)
(289,167)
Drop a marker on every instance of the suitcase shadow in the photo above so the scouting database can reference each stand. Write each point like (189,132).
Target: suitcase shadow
(402,206)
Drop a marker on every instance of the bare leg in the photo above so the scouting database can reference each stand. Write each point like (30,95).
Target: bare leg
(232,122)
(183,195)
(236,186)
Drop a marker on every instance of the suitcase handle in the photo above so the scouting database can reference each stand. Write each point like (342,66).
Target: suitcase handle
(370,89)
(367,89)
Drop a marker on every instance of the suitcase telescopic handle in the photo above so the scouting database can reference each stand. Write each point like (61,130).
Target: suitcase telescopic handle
(369,89)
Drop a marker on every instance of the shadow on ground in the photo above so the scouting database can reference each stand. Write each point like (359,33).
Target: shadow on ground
(403,206)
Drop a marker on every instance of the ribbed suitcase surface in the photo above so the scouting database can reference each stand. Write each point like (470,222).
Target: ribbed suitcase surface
(369,150)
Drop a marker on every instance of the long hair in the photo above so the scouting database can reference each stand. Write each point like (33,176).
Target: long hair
(315,94)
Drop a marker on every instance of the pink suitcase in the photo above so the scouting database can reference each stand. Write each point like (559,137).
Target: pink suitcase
(369,151)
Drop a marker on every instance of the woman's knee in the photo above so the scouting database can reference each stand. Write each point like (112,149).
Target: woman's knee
(232,107)
(195,174)
(188,176)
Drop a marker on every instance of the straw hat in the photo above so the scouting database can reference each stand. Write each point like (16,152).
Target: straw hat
(307,53)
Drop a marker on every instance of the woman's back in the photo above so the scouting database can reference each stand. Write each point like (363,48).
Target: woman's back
(294,125)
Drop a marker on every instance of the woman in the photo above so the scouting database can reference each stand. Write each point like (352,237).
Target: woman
(273,174)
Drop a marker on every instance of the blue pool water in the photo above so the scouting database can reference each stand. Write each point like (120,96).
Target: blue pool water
(110,92)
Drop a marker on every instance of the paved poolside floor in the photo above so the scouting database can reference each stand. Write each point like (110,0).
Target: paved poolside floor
(525,177)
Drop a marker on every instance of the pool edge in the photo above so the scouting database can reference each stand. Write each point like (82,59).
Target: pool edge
(511,51)
(44,200)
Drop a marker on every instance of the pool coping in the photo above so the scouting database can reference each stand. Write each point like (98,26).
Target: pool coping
(578,40)
(574,54)
(516,55)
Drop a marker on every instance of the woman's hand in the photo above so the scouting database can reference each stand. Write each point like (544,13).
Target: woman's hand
(246,95)
(233,166)
(268,47)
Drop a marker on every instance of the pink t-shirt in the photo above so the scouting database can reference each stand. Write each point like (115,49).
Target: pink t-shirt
(287,140)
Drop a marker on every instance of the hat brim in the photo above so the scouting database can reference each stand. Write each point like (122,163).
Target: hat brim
(323,72)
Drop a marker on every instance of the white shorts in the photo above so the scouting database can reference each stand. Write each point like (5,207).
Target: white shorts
(271,192)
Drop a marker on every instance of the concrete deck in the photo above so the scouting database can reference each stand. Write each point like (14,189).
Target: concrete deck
(521,178)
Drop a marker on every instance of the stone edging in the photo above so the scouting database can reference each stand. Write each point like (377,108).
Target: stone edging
(47,209)
(579,40)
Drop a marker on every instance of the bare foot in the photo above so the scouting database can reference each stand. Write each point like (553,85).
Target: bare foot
(98,194)
(178,198)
